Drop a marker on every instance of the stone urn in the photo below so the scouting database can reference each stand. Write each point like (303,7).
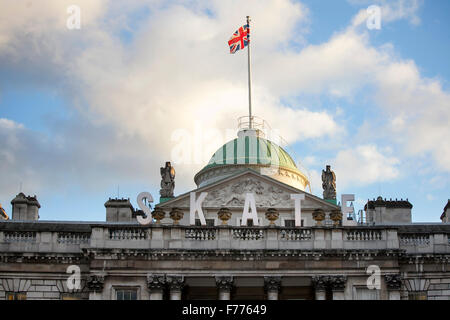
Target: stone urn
(224,214)
(176,215)
(272,215)
(319,216)
(336,216)
(158,215)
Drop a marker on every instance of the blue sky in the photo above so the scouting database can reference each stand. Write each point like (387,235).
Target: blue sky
(83,112)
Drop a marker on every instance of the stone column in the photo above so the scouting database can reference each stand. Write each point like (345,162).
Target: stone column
(337,284)
(272,285)
(176,284)
(393,284)
(156,284)
(95,285)
(224,285)
(320,286)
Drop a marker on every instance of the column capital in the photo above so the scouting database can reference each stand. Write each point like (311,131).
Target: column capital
(319,282)
(393,281)
(175,282)
(337,283)
(156,281)
(224,282)
(272,283)
(95,282)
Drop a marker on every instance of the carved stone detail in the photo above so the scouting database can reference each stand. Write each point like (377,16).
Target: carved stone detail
(176,215)
(320,282)
(175,282)
(272,215)
(329,184)
(224,214)
(319,216)
(393,281)
(156,281)
(272,283)
(167,181)
(336,216)
(224,282)
(232,195)
(95,282)
(337,283)
(158,214)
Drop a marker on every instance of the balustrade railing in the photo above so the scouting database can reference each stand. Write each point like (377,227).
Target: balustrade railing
(414,239)
(363,235)
(200,234)
(20,236)
(128,234)
(229,237)
(296,234)
(248,234)
(73,237)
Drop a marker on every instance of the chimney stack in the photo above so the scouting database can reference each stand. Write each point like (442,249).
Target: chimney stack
(25,208)
(119,210)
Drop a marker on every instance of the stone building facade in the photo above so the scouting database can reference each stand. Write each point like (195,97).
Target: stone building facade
(327,256)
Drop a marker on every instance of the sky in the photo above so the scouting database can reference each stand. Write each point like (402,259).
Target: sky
(93,112)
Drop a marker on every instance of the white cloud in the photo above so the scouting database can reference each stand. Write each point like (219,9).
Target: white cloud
(177,72)
(170,77)
(316,182)
(364,164)
(390,10)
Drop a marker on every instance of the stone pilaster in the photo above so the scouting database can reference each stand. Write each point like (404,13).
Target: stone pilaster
(175,284)
(393,284)
(95,284)
(272,284)
(156,284)
(320,286)
(337,284)
(224,285)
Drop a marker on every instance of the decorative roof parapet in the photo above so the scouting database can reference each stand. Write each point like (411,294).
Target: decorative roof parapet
(380,202)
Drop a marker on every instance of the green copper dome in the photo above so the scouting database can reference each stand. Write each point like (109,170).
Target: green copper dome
(255,152)
(252,150)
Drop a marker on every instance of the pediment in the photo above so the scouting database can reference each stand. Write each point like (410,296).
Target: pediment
(230,192)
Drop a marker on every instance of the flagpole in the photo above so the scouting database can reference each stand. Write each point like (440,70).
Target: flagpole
(249,77)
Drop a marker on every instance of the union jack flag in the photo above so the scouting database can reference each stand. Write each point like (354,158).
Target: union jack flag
(240,39)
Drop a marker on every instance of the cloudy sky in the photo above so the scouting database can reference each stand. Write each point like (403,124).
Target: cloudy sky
(88,113)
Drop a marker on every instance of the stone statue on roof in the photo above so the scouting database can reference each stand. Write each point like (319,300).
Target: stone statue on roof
(329,183)
(167,181)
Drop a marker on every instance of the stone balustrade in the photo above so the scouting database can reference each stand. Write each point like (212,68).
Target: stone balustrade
(66,237)
(19,236)
(414,239)
(363,235)
(127,234)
